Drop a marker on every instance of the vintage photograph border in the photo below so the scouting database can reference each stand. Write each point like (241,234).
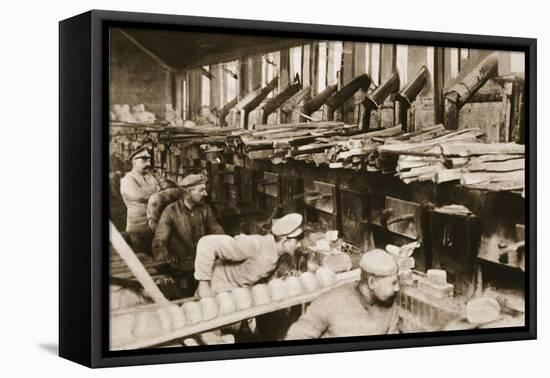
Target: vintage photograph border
(87,271)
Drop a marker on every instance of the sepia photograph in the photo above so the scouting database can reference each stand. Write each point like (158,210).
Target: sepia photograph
(272,189)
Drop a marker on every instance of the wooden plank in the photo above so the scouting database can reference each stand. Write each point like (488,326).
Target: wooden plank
(195,90)
(438,85)
(407,136)
(468,149)
(216,86)
(137,268)
(416,59)
(500,166)
(307,125)
(491,177)
(496,157)
(447,175)
(389,132)
(388,61)
(147,51)
(419,171)
(261,154)
(285,79)
(429,134)
(513,185)
(359,58)
(305,76)
(216,323)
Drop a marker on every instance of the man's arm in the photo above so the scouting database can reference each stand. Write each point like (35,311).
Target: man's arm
(311,325)
(162,235)
(212,225)
(130,190)
(213,247)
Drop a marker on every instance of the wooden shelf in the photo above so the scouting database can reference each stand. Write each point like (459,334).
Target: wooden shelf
(342,279)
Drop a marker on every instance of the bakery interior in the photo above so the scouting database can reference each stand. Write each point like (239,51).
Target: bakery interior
(415,150)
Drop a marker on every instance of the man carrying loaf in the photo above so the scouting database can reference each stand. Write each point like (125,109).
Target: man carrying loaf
(223,262)
(358,309)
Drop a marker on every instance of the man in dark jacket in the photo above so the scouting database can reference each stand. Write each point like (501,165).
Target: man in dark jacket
(180,227)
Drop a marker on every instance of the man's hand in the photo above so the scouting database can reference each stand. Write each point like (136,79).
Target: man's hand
(172,259)
(166,258)
(205,290)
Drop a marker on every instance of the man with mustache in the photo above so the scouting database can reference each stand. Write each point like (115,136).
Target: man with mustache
(136,187)
(357,309)
(180,227)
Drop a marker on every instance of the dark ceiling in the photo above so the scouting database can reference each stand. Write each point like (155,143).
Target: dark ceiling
(182,50)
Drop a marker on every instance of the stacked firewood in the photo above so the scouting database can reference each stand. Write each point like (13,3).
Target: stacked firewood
(288,141)
(431,154)
(456,156)
(416,156)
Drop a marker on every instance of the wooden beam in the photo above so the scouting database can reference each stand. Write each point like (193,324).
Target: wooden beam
(136,267)
(279,100)
(147,51)
(306,53)
(318,101)
(314,66)
(387,61)
(339,98)
(439,77)
(216,86)
(284,67)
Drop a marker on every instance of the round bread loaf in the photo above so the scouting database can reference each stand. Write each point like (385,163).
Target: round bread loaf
(147,324)
(228,338)
(129,298)
(177,316)
(482,310)
(338,262)
(226,303)
(293,286)
(121,328)
(210,338)
(277,290)
(164,319)
(114,300)
(260,294)
(309,281)
(190,342)
(242,298)
(193,313)
(209,308)
(325,276)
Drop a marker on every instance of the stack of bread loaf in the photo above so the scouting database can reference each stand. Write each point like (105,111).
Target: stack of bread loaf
(130,326)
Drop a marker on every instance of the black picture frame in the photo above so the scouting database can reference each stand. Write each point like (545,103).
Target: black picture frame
(83,196)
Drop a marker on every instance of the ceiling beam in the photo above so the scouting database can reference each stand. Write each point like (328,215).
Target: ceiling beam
(148,52)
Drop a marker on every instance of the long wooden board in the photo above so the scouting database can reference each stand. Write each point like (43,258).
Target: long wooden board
(342,279)
(136,267)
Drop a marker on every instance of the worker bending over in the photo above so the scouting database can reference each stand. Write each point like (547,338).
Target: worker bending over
(224,262)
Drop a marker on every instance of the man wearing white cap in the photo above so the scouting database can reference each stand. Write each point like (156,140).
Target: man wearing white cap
(182,224)
(224,262)
(363,308)
(136,187)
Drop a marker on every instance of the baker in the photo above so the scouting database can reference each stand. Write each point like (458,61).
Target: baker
(136,187)
(182,224)
(224,262)
(357,309)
